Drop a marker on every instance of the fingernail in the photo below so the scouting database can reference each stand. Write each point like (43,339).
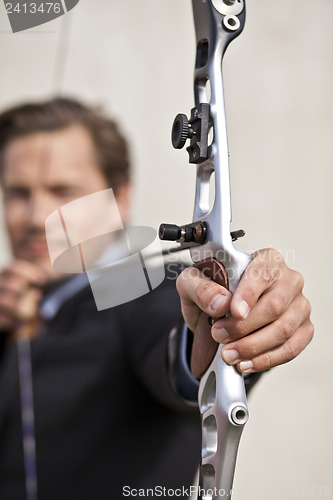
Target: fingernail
(220,335)
(243,309)
(217,302)
(246,366)
(230,356)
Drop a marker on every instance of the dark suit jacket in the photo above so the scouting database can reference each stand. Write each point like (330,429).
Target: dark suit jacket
(106,415)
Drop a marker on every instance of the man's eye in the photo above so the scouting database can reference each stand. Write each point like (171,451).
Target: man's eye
(65,192)
(13,194)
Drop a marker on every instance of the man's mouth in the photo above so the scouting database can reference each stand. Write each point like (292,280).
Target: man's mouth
(37,247)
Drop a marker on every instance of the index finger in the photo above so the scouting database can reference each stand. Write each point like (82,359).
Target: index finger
(258,277)
(199,293)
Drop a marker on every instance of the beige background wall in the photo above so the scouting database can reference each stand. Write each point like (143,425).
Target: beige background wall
(136,59)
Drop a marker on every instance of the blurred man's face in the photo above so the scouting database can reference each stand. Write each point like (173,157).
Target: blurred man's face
(41,173)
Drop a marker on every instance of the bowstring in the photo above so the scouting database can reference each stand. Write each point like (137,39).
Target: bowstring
(24,344)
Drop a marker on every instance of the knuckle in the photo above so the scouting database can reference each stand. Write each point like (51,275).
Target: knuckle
(252,349)
(290,350)
(286,329)
(271,255)
(276,305)
(182,278)
(298,280)
(306,307)
(261,272)
(179,284)
(275,255)
(310,331)
(205,292)
(268,265)
(239,329)
(267,360)
(275,264)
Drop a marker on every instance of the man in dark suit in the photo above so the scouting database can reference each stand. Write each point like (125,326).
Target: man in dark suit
(113,408)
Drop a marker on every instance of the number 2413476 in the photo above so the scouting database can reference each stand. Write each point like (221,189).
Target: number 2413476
(33,8)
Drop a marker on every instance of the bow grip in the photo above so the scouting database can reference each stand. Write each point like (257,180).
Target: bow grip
(204,346)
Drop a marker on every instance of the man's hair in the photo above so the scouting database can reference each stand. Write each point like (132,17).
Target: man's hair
(55,114)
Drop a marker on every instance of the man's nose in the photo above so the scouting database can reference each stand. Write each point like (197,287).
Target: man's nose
(40,208)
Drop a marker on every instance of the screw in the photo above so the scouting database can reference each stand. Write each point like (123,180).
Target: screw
(197,232)
(239,415)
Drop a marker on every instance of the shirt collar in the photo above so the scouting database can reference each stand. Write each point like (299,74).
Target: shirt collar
(54,299)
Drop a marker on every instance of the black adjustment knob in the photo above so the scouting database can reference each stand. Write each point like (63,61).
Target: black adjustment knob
(169,232)
(181,131)
(237,234)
